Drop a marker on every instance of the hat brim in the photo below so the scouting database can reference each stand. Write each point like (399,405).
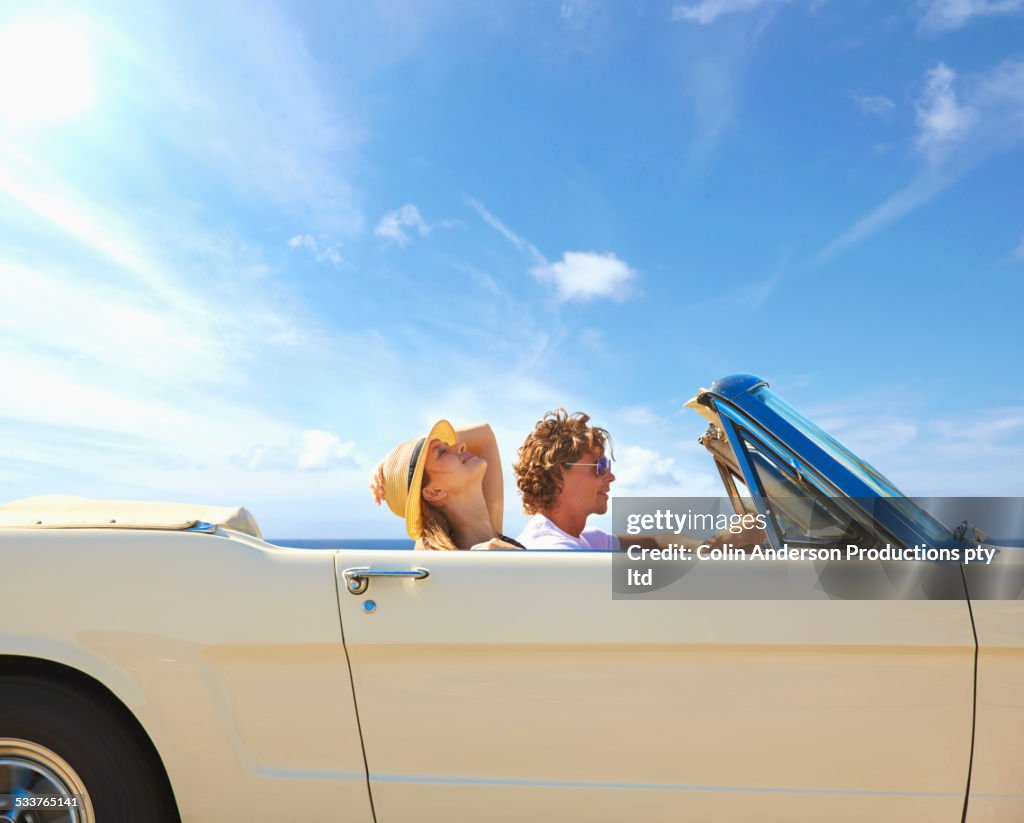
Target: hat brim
(442,430)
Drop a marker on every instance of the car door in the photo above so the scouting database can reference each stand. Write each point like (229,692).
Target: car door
(512,686)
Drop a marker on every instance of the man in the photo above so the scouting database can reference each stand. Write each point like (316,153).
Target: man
(564,477)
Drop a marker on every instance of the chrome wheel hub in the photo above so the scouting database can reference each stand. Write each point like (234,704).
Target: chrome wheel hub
(37,785)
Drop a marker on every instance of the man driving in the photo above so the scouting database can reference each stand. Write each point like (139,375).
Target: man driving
(564,476)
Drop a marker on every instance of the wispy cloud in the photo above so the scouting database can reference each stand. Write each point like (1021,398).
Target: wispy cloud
(322,252)
(707,11)
(945,15)
(584,275)
(960,124)
(110,327)
(394,225)
(520,243)
(101,230)
(899,204)
(875,104)
(643,416)
(1018,253)
(397,226)
(284,138)
(963,451)
(137,355)
(941,120)
(745,299)
(713,64)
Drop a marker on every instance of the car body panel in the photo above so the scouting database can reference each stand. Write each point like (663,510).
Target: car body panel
(508,684)
(226,649)
(997,780)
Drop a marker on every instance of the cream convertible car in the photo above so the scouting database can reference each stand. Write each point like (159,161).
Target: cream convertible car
(163,661)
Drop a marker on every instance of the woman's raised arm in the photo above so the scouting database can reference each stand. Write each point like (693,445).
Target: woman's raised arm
(480,440)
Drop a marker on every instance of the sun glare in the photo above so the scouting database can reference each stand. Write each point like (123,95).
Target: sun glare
(46,72)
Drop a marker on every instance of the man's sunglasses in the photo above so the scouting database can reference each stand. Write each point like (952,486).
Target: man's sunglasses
(603,465)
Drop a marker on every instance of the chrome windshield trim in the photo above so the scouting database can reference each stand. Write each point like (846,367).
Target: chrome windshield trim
(894,525)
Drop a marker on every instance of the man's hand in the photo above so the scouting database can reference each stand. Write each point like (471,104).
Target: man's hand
(751,535)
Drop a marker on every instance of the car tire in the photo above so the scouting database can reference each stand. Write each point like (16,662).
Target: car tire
(58,741)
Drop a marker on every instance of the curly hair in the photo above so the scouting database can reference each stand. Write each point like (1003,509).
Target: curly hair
(558,438)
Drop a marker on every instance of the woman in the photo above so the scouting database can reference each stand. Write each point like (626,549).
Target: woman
(448,488)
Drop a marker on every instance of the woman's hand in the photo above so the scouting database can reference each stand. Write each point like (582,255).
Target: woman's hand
(377,484)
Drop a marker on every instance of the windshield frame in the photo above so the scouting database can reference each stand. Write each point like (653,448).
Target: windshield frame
(831,468)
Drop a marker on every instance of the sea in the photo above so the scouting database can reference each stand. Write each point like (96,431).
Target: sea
(343,543)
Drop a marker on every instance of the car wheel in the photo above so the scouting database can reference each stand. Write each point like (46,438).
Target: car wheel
(66,758)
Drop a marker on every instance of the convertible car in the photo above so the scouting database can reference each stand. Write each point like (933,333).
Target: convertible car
(162,662)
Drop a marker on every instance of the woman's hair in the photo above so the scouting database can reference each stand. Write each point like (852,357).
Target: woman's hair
(557,439)
(437,534)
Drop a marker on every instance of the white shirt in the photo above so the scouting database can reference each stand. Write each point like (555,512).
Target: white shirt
(541,533)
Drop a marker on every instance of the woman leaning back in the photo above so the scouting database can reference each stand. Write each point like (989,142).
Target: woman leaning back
(447,487)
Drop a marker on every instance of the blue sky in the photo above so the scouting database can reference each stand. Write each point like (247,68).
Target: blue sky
(246,247)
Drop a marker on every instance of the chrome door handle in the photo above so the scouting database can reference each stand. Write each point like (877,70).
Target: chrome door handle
(357,580)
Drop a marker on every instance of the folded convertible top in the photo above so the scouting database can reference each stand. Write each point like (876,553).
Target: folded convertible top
(58,512)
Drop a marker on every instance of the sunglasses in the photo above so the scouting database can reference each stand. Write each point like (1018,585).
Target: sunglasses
(603,465)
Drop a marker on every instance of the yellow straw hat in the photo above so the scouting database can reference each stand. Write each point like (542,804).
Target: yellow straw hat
(403,475)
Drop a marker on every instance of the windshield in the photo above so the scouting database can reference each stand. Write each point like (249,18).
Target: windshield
(934,530)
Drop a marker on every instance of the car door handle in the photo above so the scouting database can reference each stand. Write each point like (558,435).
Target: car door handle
(357,579)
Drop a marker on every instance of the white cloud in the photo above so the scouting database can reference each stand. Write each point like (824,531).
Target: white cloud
(645,472)
(876,104)
(398,225)
(579,275)
(961,123)
(322,252)
(312,450)
(393,225)
(707,11)
(585,275)
(637,467)
(945,15)
(941,120)
(322,450)
(1018,253)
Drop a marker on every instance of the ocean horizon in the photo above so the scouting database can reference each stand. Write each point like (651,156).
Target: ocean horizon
(375,543)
